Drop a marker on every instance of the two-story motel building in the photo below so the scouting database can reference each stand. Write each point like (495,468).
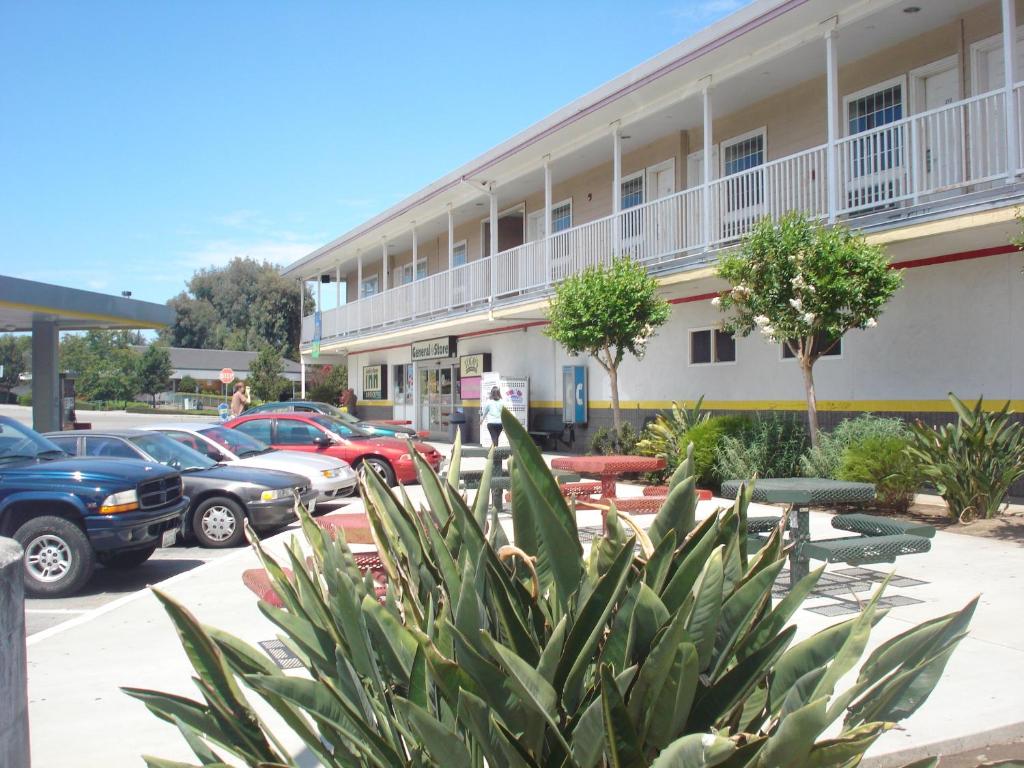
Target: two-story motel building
(902,119)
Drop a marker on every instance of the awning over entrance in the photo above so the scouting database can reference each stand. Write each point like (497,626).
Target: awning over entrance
(45,310)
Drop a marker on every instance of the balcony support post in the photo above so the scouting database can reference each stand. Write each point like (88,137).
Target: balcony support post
(302,377)
(832,96)
(359,289)
(709,169)
(1009,73)
(451,252)
(547,219)
(319,294)
(384,265)
(493,244)
(337,299)
(616,185)
(415,266)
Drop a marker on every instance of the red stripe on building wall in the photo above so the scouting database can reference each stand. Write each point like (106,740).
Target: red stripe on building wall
(980,253)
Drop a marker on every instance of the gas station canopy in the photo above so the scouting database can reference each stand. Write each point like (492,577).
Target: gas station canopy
(25,302)
(45,310)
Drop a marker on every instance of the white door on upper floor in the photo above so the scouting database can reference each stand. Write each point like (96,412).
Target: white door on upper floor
(661,183)
(535,226)
(939,161)
(695,167)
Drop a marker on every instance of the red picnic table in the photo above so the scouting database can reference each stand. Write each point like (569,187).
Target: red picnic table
(608,468)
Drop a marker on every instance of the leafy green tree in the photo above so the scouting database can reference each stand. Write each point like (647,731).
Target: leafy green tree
(265,377)
(188,384)
(328,382)
(243,305)
(12,358)
(805,285)
(154,370)
(607,312)
(113,376)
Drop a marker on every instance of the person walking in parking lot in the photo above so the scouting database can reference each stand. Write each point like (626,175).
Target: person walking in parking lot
(490,414)
(239,399)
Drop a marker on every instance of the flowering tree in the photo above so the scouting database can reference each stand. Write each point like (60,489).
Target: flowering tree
(607,312)
(804,285)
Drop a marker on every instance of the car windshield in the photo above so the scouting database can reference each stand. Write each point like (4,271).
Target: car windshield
(239,443)
(338,427)
(172,453)
(19,443)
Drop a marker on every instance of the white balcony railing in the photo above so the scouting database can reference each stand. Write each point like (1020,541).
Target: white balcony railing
(956,148)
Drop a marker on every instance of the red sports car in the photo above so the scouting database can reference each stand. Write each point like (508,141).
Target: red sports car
(318,433)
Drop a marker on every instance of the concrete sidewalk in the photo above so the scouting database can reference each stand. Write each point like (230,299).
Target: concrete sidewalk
(80,718)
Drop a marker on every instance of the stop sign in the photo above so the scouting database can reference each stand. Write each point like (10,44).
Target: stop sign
(227,375)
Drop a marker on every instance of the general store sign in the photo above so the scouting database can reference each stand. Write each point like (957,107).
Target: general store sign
(374,382)
(432,349)
(474,365)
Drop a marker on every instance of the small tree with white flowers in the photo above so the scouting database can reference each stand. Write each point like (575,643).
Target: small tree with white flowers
(803,284)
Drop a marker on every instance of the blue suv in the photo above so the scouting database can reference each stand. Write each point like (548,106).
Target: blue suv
(70,513)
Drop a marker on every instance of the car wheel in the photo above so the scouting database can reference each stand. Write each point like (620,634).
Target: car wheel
(58,556)
(380,466)
(219,523)
(129,559)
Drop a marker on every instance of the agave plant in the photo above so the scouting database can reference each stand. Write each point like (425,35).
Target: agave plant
(537,654)
(974,462)
(665,437)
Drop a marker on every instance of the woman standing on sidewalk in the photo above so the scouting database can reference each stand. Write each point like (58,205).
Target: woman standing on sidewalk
(490,414)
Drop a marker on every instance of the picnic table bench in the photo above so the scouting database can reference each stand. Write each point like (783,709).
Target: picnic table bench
(880,539)
(547,430)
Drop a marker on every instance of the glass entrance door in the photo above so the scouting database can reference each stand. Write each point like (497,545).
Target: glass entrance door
(436,399)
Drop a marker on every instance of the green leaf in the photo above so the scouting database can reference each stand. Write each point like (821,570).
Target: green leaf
(668,714)
(696,750)
(445,745)
(678,513)
(791,743)
(588,629)
(620,736)
(703,622)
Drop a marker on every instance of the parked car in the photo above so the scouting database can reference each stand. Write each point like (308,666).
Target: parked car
(330,477)
(68,513)
(221,497)
(378,428)
(315,433)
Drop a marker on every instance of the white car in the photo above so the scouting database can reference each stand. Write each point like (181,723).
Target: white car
(330,477)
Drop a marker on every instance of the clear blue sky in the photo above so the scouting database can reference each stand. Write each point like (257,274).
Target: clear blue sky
(141,140)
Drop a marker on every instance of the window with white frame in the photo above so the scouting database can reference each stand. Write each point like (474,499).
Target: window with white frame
(712,345)
(877,107)
(632,189)
(369,287)
(833,347)
(421,270)
(460,254)
(743,153)
(561,216)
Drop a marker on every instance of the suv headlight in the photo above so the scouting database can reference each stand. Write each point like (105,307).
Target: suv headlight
(278,493)
(331,472)
(125,501)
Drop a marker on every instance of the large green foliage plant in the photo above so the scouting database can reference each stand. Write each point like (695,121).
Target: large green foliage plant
(539,655)
(973,462)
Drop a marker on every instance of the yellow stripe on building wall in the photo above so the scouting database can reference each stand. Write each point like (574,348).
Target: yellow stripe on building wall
(902,406)
(381,403)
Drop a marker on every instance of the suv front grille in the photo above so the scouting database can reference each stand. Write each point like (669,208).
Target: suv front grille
(157,493)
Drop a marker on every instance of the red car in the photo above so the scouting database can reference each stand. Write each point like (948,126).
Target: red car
(318,433)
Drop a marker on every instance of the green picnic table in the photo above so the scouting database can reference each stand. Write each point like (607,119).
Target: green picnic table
(801,493)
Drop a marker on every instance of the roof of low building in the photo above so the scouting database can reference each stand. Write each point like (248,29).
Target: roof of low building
(188,358)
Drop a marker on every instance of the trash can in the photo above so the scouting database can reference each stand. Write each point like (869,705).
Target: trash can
(457,425)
